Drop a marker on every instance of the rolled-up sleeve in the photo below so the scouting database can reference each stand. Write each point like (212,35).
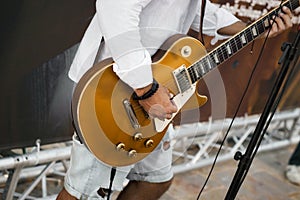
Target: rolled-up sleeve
(119,24)
(215,18)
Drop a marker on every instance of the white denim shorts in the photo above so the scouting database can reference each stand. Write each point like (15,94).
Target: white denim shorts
(87,174)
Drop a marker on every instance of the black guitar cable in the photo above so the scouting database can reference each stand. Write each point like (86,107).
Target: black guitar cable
(112,176)
(238,108)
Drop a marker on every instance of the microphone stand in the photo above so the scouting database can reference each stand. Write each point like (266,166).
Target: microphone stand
(246,159)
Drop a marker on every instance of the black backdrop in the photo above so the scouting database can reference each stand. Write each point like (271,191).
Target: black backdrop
(38,41)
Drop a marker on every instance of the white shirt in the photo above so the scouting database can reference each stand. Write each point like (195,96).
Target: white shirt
(134,29)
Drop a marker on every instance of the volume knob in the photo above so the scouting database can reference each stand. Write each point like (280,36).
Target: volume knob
(138,137)
(149,143)
(120,146)
(132,153)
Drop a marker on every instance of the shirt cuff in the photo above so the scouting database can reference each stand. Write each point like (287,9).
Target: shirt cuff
(135,75)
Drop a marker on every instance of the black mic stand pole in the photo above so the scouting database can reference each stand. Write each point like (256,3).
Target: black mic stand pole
(246,159)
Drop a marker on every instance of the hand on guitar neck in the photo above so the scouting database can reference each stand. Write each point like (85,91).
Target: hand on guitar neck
(159,104)
(282,22)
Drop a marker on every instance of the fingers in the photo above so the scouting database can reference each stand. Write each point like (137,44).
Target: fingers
(158,111)
(155,111)
(287,11)
(165,111)
(160,105)
(282,22)
(286,16)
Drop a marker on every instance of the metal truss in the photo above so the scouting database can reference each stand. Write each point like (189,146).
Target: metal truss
(195,146)
(37,164)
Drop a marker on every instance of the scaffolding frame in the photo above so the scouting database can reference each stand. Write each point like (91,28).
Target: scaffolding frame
(195,146)
(205,138)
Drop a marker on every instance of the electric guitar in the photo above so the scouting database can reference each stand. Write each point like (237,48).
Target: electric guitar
(115,128)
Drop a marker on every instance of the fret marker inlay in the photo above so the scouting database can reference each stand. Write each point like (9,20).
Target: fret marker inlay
(216,58)
(254,32)
(228,49)
(266,22)
(243,39)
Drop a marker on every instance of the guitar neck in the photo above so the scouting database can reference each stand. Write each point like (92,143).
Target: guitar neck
(236,43)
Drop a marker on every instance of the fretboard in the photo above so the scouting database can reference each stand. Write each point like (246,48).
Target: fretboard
(236,43)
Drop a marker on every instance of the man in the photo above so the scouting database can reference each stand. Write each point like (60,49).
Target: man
(132,31)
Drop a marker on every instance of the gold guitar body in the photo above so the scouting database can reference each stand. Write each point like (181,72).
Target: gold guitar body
(112,125)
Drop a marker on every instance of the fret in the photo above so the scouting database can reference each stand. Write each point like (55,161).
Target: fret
(208,64)
(228,48)
(294,4)
(273,13)
(267,22)
(254,31)
(197,71)
(278,11)
(192,74)
(215,57)
(249,35)
(212,64)
(233,45)
(201,68)
(237,43)
(242,39)
(211,61)
(260,27)
(220,54)
(291,6)
(224,52)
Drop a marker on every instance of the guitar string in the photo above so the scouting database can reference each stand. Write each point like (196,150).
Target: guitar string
(222,51)
(235,41)
(235,44)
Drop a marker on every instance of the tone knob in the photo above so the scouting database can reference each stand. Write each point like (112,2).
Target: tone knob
(132,153)
(138,137)
(120,146)
(149,143)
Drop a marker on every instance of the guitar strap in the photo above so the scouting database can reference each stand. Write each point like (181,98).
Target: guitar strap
(200,35)
(96,60)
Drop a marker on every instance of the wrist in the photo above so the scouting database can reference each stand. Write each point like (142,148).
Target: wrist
(146,92)
(143,90)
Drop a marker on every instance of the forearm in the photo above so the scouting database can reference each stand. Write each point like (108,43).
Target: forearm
(232,29)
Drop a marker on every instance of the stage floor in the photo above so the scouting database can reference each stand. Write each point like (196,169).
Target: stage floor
(265,180)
